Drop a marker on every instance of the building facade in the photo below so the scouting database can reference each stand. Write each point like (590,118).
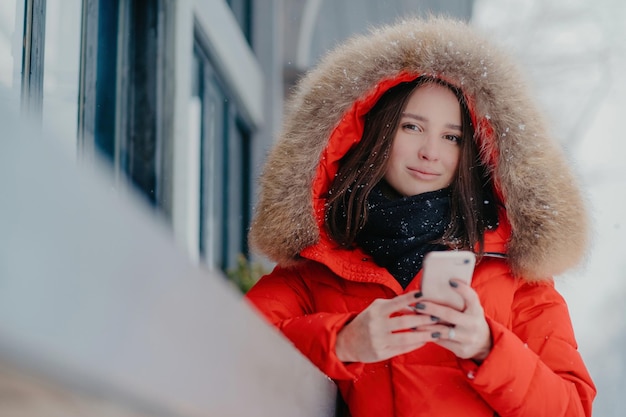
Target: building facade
(182,97)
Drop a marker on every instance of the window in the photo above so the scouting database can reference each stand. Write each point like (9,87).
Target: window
(39,63)
(61,69)
(238,191)
(124,115)
(103,75)
(225,147)
(212,114)
(11,49)
(138,141)
(33,58)
(99,57)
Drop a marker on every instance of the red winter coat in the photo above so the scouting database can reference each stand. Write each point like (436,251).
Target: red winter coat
(533,368)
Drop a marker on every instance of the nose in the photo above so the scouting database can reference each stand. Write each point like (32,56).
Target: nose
(428,149)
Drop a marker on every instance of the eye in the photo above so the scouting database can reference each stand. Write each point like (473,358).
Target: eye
(453,138)
(411,127)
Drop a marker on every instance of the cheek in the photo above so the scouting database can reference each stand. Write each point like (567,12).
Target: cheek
(395,155)
(453,158)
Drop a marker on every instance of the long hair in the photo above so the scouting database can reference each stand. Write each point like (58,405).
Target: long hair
(473,202)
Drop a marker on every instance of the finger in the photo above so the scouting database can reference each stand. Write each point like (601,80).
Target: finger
(470,297)
(401,303)
(398,343)
(410,321)
(439,332)
(444,314)
(451,334)
(408,341)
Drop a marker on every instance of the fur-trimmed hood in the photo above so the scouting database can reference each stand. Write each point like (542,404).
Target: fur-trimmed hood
(544,205)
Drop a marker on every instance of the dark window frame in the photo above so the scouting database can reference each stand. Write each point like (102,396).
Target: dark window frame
(33,54)
(138,138)
(213,98)
(235,167)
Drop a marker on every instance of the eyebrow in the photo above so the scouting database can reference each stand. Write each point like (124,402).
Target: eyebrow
(423,119)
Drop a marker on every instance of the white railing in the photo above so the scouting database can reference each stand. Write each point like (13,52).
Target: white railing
(100,311)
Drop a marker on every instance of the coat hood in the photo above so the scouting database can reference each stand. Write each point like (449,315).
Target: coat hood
(547,226)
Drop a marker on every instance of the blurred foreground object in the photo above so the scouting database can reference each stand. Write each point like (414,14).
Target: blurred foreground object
(101,315)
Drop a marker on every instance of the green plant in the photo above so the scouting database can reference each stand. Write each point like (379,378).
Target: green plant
(246,273)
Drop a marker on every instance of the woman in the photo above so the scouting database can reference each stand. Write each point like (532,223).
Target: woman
(419,138)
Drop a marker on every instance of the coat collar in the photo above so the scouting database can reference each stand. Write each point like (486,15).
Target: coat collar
(356,265)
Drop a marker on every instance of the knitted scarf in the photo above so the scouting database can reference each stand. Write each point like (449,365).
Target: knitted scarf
(399,232)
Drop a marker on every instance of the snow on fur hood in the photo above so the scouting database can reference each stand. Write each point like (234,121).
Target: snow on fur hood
(544,205)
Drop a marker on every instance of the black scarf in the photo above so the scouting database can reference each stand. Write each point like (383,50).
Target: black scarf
(399,232)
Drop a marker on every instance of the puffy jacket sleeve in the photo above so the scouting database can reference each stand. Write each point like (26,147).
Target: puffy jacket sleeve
(285,300)
(534,369)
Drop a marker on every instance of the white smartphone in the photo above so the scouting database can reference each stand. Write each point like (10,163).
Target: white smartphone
(439,268)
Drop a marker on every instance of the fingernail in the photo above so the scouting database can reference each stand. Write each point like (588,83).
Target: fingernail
(435,335)
(420,306)
(454,284)
(434,318)
(418,294)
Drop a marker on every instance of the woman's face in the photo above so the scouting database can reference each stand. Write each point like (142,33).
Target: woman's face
(426,148)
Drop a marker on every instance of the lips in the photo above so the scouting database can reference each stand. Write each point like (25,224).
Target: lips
(422,173)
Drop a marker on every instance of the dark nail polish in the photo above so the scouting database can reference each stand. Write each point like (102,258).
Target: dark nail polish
(420,306)
(435,335)
(434,318)
(418,294)
(454,284)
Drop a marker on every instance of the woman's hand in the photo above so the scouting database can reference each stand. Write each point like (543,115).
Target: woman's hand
(465,333)
(386,328)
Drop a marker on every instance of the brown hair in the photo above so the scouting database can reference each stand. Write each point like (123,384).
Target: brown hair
(473,202)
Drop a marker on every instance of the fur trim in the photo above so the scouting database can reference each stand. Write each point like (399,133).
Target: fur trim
(544,204)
